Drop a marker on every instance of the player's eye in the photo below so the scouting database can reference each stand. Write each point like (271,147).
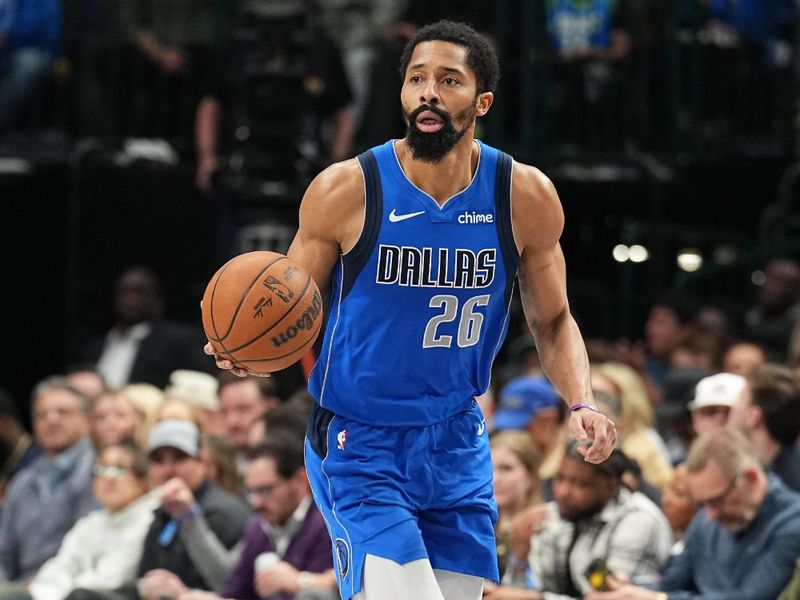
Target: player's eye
(415,79)
(450,81)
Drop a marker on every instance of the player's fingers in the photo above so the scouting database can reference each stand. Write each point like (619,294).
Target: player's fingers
(224,363)
(246,372)
(209,349)
(605,439)
(577,429)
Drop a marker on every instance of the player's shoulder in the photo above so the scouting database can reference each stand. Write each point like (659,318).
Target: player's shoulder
(340,186)
(536,209)
(531,185)
(345,174)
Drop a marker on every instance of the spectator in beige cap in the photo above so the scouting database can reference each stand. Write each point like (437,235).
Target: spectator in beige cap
(713,398)
(200,390)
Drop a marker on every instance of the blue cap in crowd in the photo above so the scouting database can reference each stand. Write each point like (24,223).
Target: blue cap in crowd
(521,399)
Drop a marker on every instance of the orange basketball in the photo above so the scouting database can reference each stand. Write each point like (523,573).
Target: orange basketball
(262,311)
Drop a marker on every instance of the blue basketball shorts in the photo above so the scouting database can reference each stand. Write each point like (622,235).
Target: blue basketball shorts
(404,493)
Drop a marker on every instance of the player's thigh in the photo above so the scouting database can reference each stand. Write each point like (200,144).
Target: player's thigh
(458,586)
(385,579)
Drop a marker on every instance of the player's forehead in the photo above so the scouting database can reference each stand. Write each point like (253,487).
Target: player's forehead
(439,55)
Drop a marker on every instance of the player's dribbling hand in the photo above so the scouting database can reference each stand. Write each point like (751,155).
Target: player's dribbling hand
(585,424)
(224,363)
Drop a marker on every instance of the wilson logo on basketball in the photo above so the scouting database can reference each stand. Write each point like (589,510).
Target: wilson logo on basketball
(304,322)
(281,289)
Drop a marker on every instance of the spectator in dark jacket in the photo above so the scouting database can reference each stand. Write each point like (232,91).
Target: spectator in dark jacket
(188,545)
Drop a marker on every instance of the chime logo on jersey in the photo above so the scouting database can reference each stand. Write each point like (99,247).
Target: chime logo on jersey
(472,218)
(443,268)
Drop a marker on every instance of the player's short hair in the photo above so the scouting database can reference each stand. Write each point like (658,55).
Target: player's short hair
(481,56)
(775,389)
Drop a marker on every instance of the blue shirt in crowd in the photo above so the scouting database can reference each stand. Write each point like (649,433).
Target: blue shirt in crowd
(755,564)
(42,504)
(30,24)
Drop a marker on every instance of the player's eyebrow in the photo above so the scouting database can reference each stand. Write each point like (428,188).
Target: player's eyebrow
(455,70)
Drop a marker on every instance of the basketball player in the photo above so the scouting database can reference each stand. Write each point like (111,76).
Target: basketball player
(421,240)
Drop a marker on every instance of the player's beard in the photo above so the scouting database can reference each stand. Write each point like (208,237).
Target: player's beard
(433,147)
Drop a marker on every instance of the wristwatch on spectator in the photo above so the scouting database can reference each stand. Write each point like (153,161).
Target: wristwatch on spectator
(305,580)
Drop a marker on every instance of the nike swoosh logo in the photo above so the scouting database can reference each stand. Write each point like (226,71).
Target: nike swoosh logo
(481,427)
(395,218)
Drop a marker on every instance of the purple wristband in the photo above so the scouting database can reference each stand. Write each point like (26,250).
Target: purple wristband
(581,405)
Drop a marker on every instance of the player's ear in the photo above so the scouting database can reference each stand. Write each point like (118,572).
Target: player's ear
(483,102)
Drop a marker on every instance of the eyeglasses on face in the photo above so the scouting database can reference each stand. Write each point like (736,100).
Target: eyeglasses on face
(113,471)
(264,491)
(718,500)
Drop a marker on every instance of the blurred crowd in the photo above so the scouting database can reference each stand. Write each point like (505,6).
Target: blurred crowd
(151,475)
(610,70)
(148,474)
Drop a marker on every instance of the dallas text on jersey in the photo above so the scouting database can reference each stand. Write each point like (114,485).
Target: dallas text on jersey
(453,268)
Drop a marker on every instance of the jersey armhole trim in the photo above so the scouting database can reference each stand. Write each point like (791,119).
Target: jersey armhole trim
(505,230)
(355,260)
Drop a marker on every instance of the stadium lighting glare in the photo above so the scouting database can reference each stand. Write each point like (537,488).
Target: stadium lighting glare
(621,253)
(690,260)
(638,253)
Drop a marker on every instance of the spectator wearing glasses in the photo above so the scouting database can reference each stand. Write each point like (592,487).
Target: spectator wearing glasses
(103,549)
(744,542)
(57,486)
(194,528)
(286,551)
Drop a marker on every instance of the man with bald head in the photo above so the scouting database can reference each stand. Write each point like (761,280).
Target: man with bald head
(771,321)
(143,346)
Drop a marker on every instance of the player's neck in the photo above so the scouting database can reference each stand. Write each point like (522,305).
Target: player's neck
(446,178)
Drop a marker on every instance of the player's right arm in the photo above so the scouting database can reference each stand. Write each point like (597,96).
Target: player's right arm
(331,219)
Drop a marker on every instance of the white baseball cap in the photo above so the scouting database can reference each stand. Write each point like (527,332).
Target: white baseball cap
(721,389)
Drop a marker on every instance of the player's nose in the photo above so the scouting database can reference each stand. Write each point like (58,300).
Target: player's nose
(430,93)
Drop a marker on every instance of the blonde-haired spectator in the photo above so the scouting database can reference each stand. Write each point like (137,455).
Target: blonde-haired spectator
(516,462)
(114,418)
(178,409)
(638,439)
(147,398)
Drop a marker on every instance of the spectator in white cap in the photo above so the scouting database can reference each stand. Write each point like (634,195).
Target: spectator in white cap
(713,398)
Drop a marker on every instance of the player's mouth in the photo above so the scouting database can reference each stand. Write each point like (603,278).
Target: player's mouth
(429,122)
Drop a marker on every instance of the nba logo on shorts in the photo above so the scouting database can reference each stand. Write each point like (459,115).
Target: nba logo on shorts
(341,438)
(342,556)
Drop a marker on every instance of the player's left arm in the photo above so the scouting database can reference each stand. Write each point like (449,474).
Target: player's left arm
(538,221)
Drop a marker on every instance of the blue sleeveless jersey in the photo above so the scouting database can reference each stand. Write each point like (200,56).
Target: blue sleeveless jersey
(420,304)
